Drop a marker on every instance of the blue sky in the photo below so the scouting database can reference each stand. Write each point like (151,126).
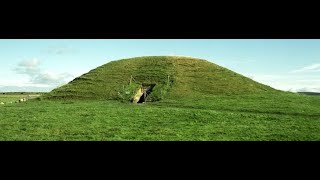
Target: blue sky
(44,64)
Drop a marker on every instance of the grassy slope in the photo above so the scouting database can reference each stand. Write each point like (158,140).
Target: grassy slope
(248,117)
(187,77)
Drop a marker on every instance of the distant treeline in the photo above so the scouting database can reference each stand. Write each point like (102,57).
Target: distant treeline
(16,93)
(310,93)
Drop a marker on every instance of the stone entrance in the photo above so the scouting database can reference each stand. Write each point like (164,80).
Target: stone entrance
(143,93)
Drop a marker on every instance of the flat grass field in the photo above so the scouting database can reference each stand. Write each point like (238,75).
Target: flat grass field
(13,97)
(251,117)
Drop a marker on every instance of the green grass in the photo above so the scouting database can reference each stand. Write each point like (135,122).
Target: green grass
(10,98)
(266,117)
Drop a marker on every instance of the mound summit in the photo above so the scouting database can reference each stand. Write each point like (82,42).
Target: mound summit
(153,78)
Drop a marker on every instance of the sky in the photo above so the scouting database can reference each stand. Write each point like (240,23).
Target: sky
(44,64)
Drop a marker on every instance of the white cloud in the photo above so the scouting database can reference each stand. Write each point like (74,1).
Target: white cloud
(24,89)
(28,67)
(60,50)
(294,83)
(311,68)
(306,89)
(51,78)
(35,77)
(316,80)
(15,82)
(30,63)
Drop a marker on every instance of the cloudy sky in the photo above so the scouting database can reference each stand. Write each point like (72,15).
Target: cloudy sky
(44,64)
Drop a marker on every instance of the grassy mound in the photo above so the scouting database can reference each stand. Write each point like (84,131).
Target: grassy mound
(173,77)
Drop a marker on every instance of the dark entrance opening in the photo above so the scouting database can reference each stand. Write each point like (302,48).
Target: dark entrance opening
(147,89)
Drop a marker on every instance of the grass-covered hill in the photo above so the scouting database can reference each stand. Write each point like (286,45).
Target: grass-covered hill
(174,77)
